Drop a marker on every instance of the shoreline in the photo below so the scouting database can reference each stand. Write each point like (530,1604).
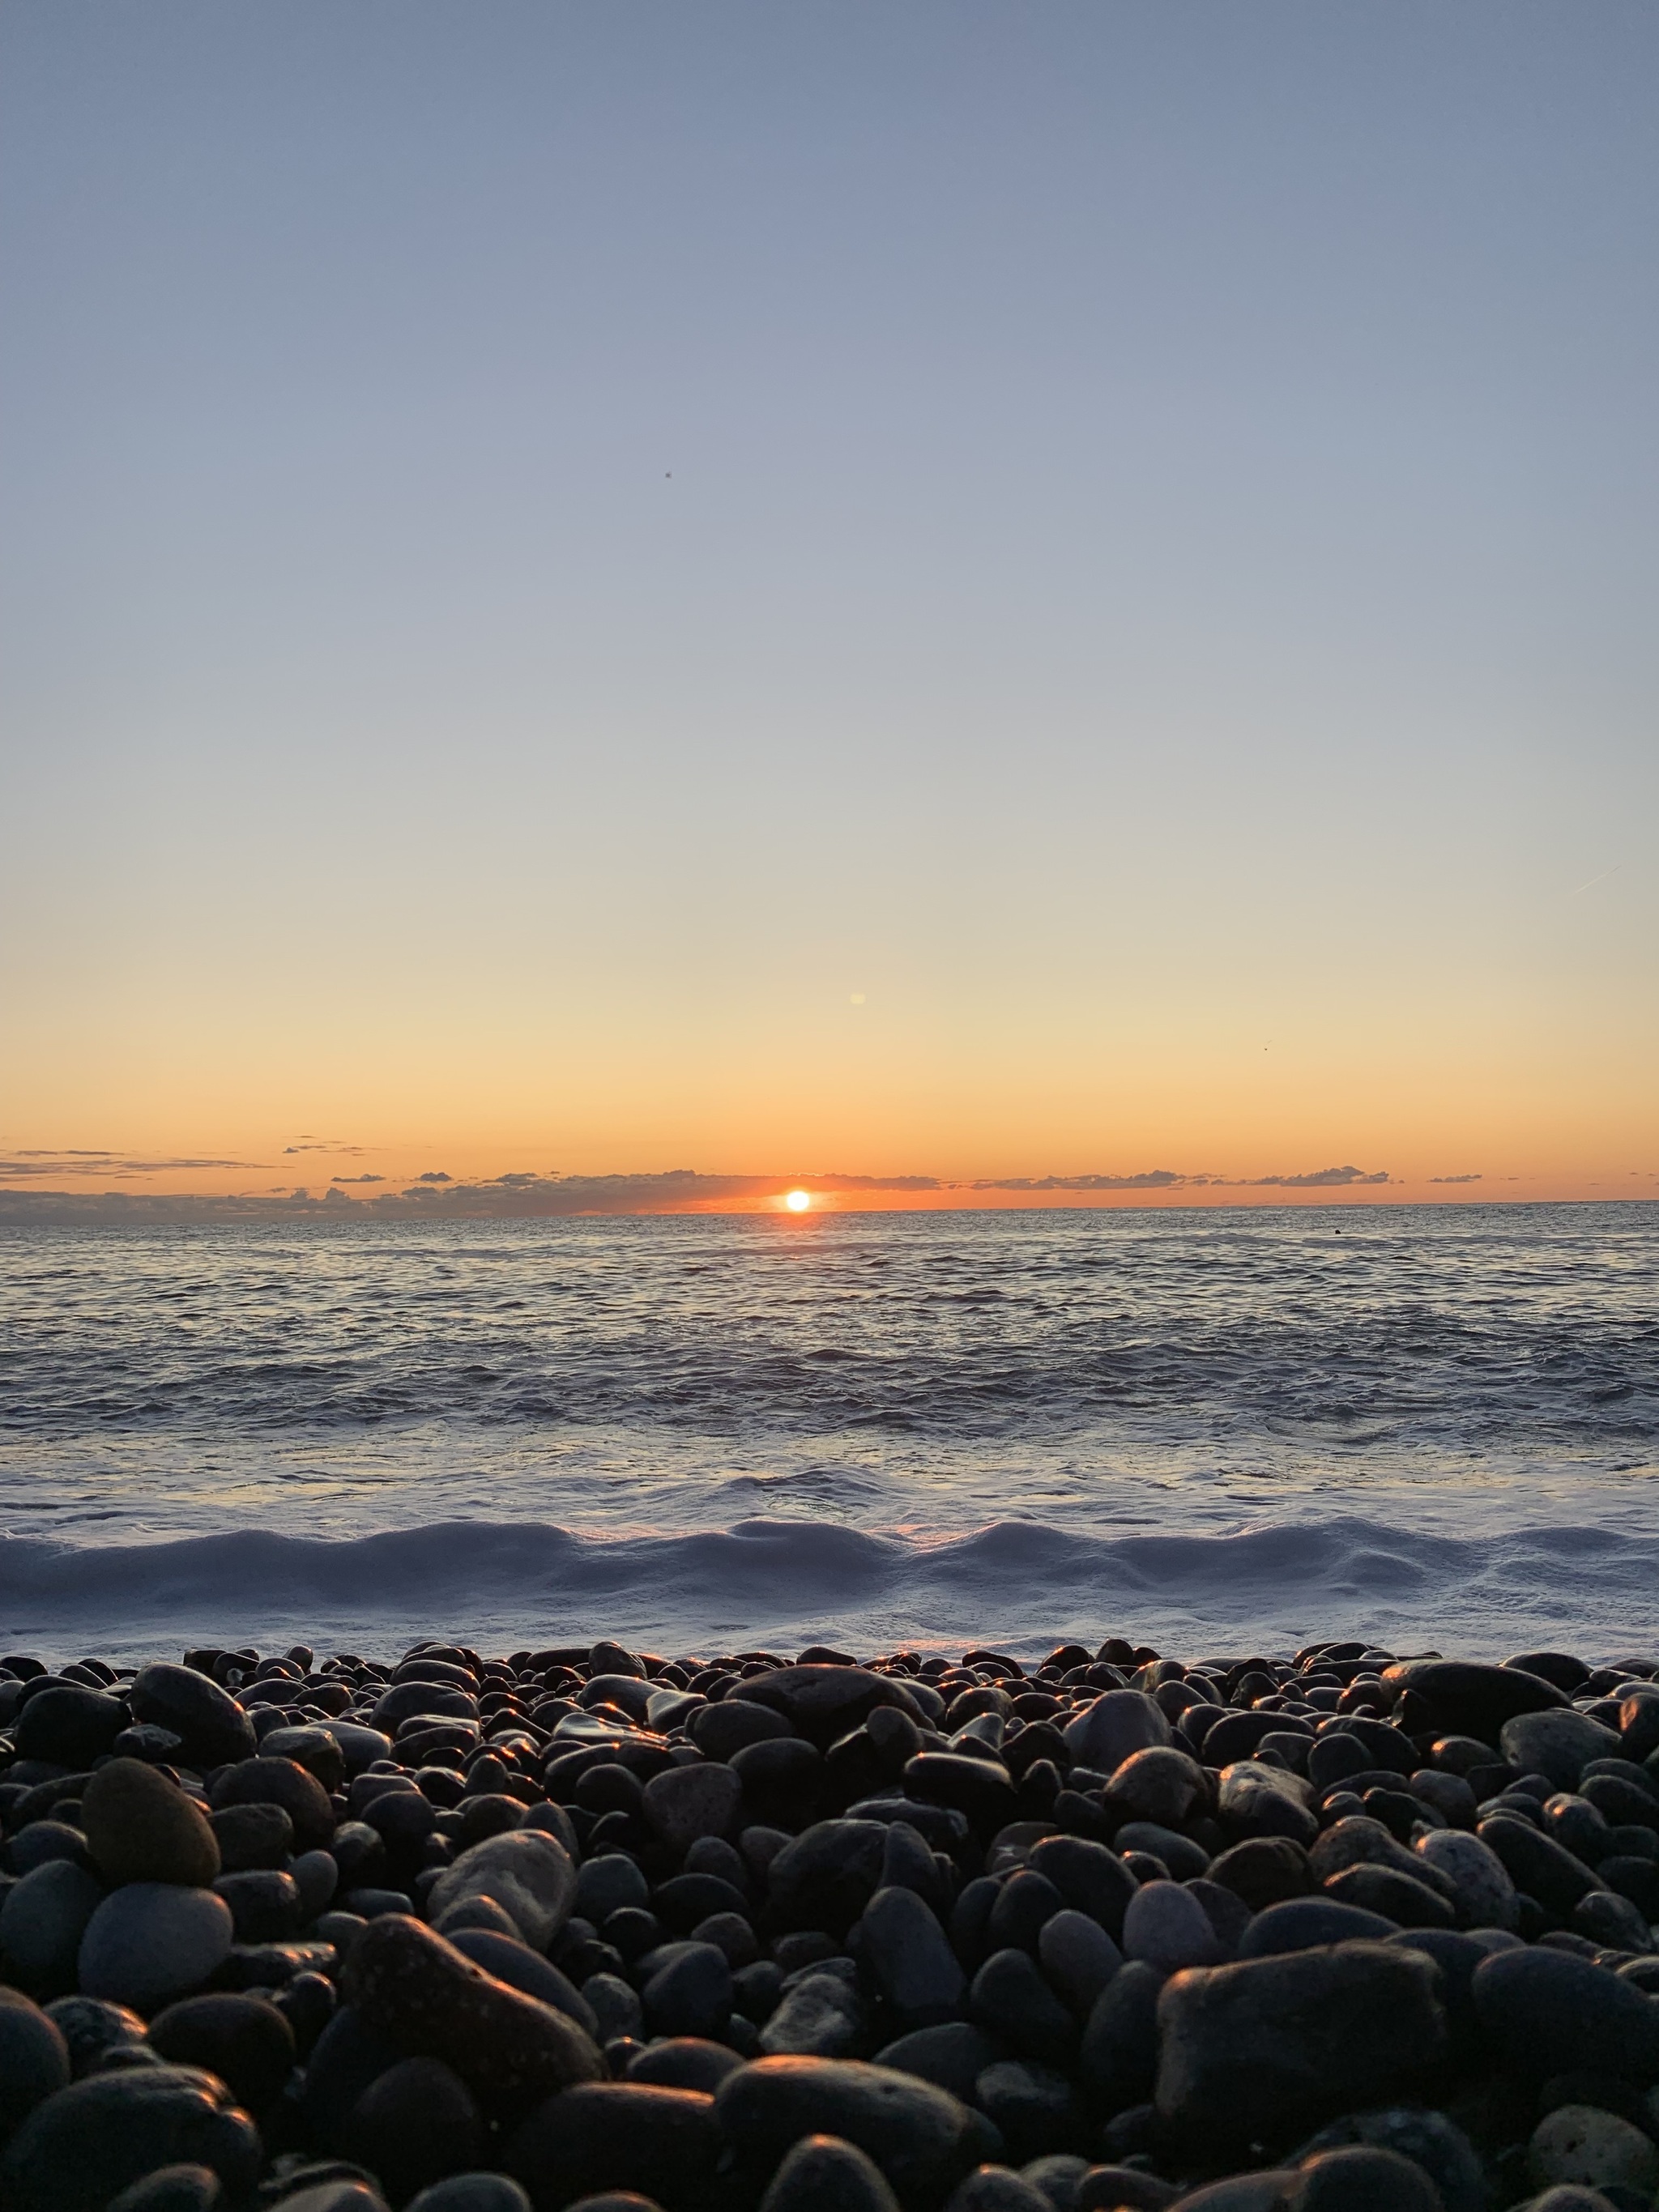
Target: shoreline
(1015,1935)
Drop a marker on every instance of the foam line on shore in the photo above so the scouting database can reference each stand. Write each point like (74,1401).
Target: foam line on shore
(1021,1581)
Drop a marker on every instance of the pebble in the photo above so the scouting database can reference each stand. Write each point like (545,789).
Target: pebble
(921,2138)
(35,2059)
(954,1924)
(1167,1927)
(413,2124)
(614,2135)
(243,2039)
(907,1951)
(526,1871)
(151,1942)
(212,1728)
(431,2002)
(80,2148)
(822,2173)
(42,1922)
(1077,1957)
(691,1802)
(471,2192)
(1594,2148)
(1272,2044)
(68,1725)
(1560,1745)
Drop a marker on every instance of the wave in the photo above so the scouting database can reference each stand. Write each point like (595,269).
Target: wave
(780,1582)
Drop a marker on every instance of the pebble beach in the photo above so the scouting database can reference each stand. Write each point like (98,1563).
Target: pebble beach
(584,1926)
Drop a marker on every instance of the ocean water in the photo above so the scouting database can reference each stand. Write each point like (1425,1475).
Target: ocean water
(1437,1427)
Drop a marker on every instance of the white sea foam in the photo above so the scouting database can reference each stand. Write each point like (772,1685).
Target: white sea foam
(783,1583)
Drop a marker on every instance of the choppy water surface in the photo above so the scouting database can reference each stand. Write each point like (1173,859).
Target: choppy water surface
(1432,1424)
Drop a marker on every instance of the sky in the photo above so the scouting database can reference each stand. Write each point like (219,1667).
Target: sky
(962,592)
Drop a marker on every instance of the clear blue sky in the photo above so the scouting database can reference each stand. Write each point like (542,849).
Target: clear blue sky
(548,548)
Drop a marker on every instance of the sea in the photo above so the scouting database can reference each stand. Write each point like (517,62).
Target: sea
(1206,1430)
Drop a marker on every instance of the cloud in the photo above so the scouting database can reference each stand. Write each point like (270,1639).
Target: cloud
(1322,1179)
(113,1167)
(1153,1179)
(322,1144)
(435,1174)
(361,1178)
(1463,1178)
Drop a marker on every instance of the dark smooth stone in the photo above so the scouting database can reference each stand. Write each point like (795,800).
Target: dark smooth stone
(824,1877)
(172,2189)
(91,2025)
(1009,1998)
(1393,1895)
(69,1724)
(243,2039)
(1362,2179)
(921,2138)
(1187,1861)
(414,2123)
(1264,1871)
(1334,1758)
(1090,1876)
(1537,1864)
(1548,2011)
(823,1703)
(280,1782)
(1236,1736)
(81,2147)
(252,1837)
(615,2135)
(347,2056)
(684,2061)
(823,2174)
(998,2189)
(1427,2137)
(1118,2055)
(213,1728)
(317,1749)
(608,1885)
(690,1993)
(35,2059)
(46,1840)
(782,1776)
(909,1955)
(477,2192)
(265,1904)
(721,1731)
(1229,1915)
(952,2056)
(1305,1923)
(980,1789)
(514,1962)
(418,1989)
(1249,2052)
(1103,2188)
(1467,1698)
(686,1898)
(1025,1903)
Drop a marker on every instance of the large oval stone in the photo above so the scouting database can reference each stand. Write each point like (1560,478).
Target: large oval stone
(41,1923)
(919,2136)
(151,1942)
(409,1984)
(616,2136)
(68,1725)
(1249,2051)
(82,2146)
(527,1872)
(141,1827)
(213,1726)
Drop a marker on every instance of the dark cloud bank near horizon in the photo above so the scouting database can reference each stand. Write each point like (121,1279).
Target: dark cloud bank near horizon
(436,1195)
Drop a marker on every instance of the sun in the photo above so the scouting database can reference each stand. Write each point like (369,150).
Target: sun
(798,1201)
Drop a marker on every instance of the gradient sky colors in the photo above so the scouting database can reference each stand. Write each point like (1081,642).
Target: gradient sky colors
(976,592)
